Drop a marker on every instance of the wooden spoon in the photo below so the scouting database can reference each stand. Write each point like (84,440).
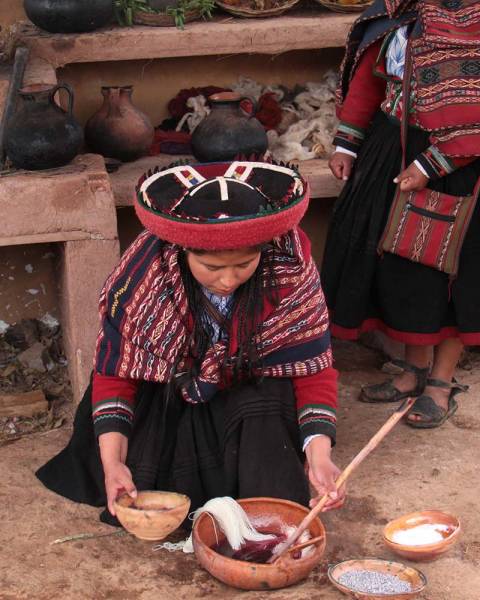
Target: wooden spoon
(402,410)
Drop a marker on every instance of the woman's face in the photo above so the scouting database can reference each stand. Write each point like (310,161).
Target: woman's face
(223,272)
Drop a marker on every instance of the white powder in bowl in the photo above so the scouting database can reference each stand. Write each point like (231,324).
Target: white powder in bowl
(422,535)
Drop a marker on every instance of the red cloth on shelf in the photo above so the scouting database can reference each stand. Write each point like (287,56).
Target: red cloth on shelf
(170,142)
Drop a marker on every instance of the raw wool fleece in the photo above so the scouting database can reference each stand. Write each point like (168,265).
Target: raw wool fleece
(310,136)
(146,321)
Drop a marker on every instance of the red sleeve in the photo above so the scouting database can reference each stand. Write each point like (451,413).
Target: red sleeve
(366,91)
(113,404)
(317,403)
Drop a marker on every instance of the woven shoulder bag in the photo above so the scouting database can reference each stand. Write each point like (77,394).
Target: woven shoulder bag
(427,227)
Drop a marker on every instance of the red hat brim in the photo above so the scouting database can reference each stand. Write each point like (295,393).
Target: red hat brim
(221,235)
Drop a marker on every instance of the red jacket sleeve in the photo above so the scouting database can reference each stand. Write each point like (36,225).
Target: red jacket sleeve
(365,94)
(113,404)
(317,403)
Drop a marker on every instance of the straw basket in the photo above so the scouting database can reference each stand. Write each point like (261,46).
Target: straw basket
(163,20)
(244,11)
(346,6)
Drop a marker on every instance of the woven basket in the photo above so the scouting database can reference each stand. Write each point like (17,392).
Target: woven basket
(253,13)
(162,20)
(345,6)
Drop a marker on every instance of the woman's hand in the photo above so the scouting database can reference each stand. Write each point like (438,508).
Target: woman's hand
(341,165)
(118,479)
(411,179)
(322,473)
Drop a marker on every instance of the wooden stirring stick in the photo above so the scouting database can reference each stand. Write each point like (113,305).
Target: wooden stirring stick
(283,548)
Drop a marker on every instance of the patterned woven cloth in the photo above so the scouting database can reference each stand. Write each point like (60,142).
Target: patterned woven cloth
(146,322)
(445,50)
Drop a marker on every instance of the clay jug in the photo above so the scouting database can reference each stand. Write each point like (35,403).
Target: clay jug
(41,135)
(119,129)
(69,16)
(227,131)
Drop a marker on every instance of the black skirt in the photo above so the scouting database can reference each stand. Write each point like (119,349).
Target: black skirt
(408,301)
(244,442)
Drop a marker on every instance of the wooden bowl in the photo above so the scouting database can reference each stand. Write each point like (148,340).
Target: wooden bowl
(267,514)
(415,578)
(422,552)
(152,515)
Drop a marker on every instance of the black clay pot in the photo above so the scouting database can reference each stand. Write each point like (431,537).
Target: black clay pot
(227,131)
(41,135)
(69,16)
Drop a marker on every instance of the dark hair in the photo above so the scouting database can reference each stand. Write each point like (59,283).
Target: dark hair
(198,252)
(248,306)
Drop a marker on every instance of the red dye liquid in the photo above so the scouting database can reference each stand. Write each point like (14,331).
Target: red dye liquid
(257,552)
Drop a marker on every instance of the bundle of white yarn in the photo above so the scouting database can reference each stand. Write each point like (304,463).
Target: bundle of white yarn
(234,523)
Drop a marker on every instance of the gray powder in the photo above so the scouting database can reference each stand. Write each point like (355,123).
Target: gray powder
(374,582)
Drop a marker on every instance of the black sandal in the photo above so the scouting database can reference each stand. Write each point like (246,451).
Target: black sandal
(431,415)
(387,392)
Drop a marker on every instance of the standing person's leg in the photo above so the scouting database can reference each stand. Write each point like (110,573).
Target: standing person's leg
(437,402)
(411,382)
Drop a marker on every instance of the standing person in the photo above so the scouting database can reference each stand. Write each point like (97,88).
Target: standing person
(409,301)
(213,366)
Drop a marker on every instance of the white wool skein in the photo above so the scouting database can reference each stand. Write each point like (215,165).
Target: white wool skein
(232,520)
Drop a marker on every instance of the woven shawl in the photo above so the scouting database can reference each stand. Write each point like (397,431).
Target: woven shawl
(146,321)
(445,46)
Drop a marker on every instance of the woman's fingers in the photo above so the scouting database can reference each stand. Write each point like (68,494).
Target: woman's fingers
(411,179)
(324,483)
(347,167)
(341,165)
(118,481)
(112,494)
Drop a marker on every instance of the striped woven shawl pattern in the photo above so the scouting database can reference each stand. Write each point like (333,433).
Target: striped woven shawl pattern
(146,321)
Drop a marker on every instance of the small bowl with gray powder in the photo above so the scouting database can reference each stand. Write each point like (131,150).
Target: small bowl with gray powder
(370,578)
(423,535)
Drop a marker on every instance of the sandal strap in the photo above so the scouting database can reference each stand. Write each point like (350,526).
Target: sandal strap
(425,406)
(406,366)
(453,385)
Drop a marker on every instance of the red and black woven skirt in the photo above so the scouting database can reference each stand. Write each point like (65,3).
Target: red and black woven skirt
(408,301)
(244,442)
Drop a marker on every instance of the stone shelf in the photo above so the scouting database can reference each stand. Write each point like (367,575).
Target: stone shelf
(300,30)
(123,181)
(72,206)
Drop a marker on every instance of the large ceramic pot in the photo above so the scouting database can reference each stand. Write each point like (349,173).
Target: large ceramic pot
(119,129)
(269,515)
(227,131)
(69,16)
(41,135)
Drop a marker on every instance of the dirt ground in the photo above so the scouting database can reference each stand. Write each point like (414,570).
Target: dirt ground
(411,470)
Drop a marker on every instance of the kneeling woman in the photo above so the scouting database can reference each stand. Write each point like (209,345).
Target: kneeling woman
(213,368)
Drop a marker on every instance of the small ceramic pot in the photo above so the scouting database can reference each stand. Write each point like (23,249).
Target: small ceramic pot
(119,129)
